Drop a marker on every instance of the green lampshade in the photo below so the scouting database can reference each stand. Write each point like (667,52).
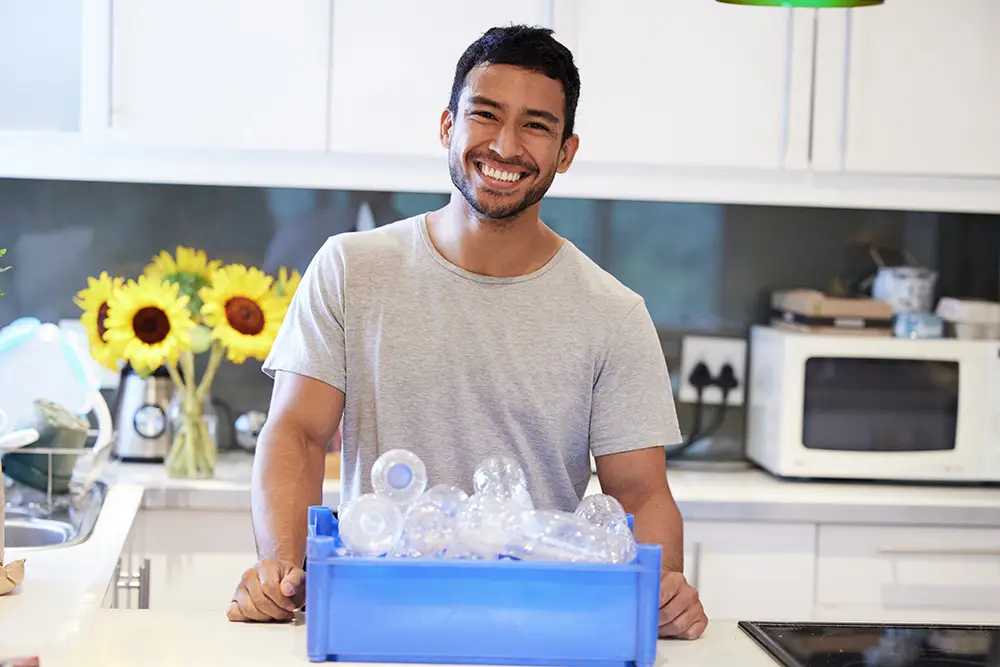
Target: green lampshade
(805,3)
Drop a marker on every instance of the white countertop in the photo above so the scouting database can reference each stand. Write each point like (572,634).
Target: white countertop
(58,613)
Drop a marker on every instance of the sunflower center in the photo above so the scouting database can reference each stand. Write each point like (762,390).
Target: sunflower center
(245,315)
(151,325)
(102,315)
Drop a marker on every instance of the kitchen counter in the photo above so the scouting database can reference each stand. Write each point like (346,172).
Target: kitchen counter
(154,638)
(58,613)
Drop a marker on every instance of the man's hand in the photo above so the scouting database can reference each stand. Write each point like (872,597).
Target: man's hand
(681,613)
(270,591)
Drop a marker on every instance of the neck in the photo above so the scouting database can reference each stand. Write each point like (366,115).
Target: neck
(504,248)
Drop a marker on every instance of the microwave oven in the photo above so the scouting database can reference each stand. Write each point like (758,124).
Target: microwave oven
(827,406)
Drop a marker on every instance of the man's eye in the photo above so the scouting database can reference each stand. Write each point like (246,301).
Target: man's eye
(538,126)
(484,114)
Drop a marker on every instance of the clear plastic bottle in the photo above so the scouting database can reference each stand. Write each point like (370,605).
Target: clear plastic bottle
(487,526)
(552,535)
(400,476)
(607,513)
(501,477)
(427,532)
(448,498)
(371,525)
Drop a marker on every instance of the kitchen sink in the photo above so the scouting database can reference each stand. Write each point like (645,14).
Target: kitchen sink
(71,521)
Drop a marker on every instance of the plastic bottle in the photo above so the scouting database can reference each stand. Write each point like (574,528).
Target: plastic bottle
(371,525)
(551,535)
(487,527)
(607,513)
(502,477)
(447,498)
(400,476)
(427,532)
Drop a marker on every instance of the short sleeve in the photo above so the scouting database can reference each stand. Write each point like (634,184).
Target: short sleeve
(311,339)
(633,405)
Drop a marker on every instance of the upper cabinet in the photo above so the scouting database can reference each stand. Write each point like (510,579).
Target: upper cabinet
(233,74)
(909,87)
(688,83)
(392,67)
(40,65)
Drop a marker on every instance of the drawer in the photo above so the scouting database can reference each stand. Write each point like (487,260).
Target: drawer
(751,570)
(909,572)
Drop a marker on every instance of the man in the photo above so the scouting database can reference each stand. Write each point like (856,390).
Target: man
(469,331)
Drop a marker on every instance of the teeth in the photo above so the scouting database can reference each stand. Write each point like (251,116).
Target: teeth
(500,175)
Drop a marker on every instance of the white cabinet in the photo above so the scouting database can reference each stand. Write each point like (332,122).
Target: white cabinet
(221,74)
(907,573)
(40,65)
(751,571)
(909,87)
(689,83)
(196,557)
(393,62)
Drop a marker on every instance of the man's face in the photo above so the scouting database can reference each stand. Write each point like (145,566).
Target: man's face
(505,139)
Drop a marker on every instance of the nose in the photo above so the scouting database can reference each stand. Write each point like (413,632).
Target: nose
(506,143)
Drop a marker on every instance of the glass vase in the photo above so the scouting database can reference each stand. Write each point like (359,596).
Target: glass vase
(193,452)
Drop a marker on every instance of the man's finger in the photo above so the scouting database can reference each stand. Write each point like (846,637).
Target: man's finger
(292,582)
(264,604)
(670,583)
(682,623)
(234,614)
(270,583)
(677,605)
(696,630)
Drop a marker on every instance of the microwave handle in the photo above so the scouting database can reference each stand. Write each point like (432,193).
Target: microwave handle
(929,551)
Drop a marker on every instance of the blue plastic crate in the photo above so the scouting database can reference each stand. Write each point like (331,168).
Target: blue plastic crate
(504,612)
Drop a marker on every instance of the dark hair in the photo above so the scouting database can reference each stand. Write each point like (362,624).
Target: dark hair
(522,46)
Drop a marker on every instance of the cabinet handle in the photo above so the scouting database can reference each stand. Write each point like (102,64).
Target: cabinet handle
(929,551)
(144,585)
(695,577)
(116,585)
(848,16)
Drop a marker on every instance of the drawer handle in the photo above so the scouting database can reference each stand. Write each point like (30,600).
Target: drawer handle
(930,551)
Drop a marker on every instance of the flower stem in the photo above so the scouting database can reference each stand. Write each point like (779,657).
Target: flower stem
(214,360)
(175,376)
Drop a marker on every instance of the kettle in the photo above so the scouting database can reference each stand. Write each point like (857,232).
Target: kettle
(141,416)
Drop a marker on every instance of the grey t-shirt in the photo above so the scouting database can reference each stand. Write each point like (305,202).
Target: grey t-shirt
(454,366)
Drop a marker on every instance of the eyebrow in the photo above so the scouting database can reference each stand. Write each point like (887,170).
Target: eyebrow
(537,113)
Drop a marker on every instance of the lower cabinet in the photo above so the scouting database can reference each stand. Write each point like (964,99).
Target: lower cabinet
(751,570)
(904,573)
(183,560)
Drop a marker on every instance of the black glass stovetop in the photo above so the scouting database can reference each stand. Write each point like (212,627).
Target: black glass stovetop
(877,645)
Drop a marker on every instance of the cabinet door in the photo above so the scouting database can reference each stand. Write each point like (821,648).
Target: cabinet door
(688,83)
(754,571)
(229,74)
(393,63)
(910,87)
(196,557)
(908,573)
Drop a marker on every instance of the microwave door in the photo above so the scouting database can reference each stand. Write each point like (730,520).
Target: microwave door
(853,404)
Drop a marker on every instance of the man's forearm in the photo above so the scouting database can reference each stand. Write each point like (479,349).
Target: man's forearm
(658,521)
(288,473)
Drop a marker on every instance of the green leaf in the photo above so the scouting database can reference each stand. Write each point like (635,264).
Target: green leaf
(201,339)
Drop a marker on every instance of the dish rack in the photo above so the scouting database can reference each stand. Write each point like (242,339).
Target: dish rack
(88,469)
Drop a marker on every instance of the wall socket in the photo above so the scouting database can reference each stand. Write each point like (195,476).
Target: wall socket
(714,352)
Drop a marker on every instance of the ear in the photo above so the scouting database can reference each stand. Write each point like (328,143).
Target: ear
(447,123)
(567,153)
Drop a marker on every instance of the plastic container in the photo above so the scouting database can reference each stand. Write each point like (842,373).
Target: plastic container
(503,612)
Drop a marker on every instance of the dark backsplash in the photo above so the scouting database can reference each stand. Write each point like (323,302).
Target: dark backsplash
(705,268)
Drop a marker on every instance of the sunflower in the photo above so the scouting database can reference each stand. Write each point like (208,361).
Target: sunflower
(287,283)
(149,322)
(191,270)
(94,301)
(243,310)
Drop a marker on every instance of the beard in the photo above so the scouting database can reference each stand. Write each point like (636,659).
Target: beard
(501,212)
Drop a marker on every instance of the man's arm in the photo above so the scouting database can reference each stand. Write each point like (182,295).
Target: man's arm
(638,480)
(288,465)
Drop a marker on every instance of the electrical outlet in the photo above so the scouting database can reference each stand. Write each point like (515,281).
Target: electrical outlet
(714,352)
